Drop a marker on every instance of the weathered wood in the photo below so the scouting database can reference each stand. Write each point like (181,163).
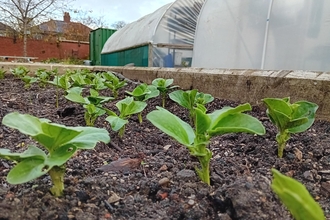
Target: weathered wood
(176,46)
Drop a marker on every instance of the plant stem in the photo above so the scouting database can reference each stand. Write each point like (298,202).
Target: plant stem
(57,91)
(140,117)
(115,93)
(121,131)
(163,99)
(57,177)
(204,156)
(204,172)
(281,139)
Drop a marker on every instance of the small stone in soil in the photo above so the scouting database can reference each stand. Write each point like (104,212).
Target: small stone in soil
(191,202)
(325,189)
(82,196)
(186,174)
(164,181)
(308,175)
(113,198)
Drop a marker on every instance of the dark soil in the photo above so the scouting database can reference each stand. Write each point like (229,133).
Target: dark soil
(159,182)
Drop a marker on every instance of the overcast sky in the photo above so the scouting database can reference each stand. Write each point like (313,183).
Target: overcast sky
(120,10)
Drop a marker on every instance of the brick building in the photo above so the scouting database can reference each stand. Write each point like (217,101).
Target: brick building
(63,30)
(5,30)
(52,39)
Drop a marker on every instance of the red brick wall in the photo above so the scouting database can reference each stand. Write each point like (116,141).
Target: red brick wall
(43,49)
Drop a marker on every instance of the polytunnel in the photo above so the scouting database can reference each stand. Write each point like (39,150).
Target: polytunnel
(263,34)
(164,38)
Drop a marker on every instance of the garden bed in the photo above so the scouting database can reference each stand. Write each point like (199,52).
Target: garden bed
(154,176)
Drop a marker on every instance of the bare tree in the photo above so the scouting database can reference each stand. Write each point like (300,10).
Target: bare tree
(118,24)
(21,15)
(88,19)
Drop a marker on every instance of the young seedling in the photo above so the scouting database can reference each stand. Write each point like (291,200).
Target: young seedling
(2,73)
(289,118)
(43,76)
(113,83)
(92,112)
(78,79)
(92,104)
(225,120)
(191,100)
(98,82)
(59,141)
(126,107)
(164,86)
(296,197)
(20,71)
(142,93)
(60,82)
(28,80)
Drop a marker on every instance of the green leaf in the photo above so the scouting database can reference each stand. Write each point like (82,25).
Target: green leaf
(78,79)
(144,92)
(154,92)
(61,155)
(304,109)
(202,98)
(129,107)
(135,107)
(109,112)
(116,122)
(99,99)
(163,85)
(294,118)
(168,82)
(203,122)
(279,119)
(235,123)
(108,76)
(77,90)
(218,115)
(52,135)
(98,83)
(89,137)
(32,151)
(296,123)
(94,110)
(28,79)
(26,124)
(201,107)
(140,90)
(75,97)
(190,99)
(182,98)
(55,135)
(32,163)
(159,82)
(61,82)
(172,126)
(280,105)
(296,198)
(27,170)
(93,92)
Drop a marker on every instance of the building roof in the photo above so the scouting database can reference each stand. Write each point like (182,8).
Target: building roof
(4,27)
(63,26)
(66,28)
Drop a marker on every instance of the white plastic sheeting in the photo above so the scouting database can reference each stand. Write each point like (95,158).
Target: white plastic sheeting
(136,33)
(169,32)
(263,34)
